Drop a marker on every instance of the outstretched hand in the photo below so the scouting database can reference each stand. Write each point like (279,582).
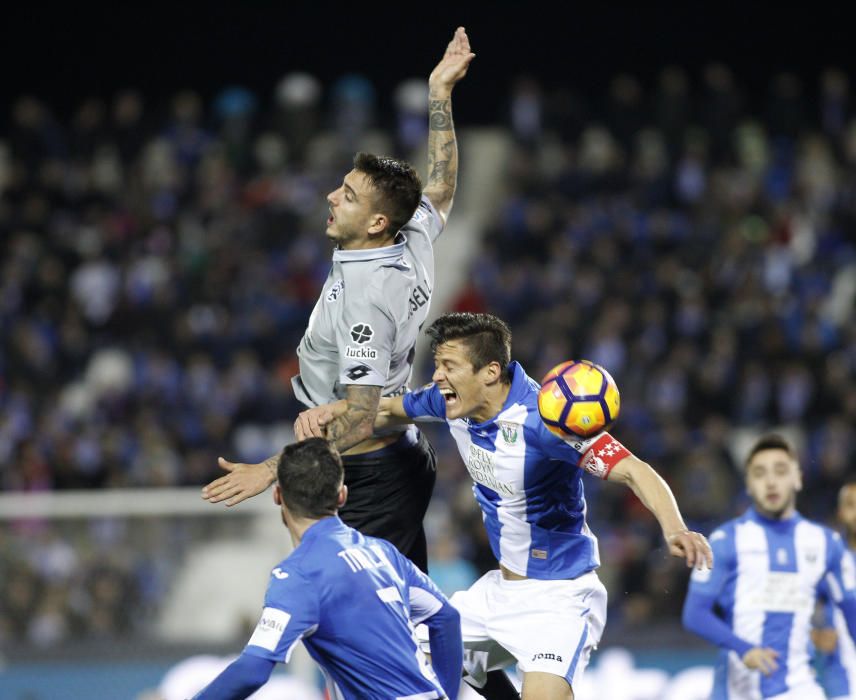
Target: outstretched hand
(692,546)
(242,482)
(455,62)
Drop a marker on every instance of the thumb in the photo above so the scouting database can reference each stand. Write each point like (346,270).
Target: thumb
(224,464)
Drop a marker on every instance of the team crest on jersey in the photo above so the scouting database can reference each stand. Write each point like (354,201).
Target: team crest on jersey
(361,333)
(509,432)
(335,290)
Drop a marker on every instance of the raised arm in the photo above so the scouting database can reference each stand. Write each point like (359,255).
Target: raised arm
(655,493)
(442,145)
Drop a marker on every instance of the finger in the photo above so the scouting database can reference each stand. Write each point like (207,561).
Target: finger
(225,464)
(241,495)
(299,428)
(315,426)
(215,487)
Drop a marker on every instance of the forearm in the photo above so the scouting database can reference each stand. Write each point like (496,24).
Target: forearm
(848,608)
(653,491)
(240,679)
(699,619)
(442,150)
(447,648)
(356,423)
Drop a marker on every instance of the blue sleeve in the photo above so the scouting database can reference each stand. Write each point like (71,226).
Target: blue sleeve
(240,679)
(291,609)
(447,648)
(705,588)
(825,616)
(429,605)
(427,401)
(557,448)
(840,580)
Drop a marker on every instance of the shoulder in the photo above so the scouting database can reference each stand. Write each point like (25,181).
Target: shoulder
(425,215)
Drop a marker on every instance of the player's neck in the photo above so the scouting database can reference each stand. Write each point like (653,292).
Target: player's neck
(298,527)
(367,243)
(781,515)
(495,397)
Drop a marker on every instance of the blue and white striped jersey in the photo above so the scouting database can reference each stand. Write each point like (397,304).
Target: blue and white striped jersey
(354,601)
(765,582)
(838,669)
(526,481)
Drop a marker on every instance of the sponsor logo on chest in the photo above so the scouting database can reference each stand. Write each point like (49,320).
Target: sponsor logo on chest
(481,464)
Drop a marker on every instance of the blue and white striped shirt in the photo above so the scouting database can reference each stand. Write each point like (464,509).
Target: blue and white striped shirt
(526,481)
(765,582)
(838,669)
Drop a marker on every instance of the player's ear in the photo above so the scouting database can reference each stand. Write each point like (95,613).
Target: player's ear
(343,496)
(378,225)
(492,372)
(277,495)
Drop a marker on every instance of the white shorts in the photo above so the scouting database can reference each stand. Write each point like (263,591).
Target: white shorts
(545,626)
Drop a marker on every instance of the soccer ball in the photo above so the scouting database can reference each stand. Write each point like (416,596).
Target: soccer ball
(578,398)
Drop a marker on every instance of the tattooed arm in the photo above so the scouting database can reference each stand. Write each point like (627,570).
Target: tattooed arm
(351,425)
(442,146)
(357,422)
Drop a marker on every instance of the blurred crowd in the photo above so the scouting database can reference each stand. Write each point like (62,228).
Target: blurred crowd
(159,264)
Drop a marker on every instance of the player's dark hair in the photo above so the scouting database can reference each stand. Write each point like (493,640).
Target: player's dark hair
(770,441)
(397,184)
(488,338)
(310,474)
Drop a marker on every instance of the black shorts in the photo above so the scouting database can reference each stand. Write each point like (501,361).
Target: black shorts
(388,494)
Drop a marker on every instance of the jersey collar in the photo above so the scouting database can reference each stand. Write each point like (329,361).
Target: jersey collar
(388,252)
(321,528)
(775,524)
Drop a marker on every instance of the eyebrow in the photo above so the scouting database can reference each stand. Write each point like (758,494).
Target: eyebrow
(350,189)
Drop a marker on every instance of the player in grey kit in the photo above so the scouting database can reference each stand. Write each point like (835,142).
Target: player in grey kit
(362,333)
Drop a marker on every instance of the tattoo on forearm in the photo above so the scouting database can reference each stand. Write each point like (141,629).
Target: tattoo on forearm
(272,463)
(348,429)
(440,115)
(442,153)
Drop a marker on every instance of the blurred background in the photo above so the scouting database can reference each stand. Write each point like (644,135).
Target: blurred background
(669,191)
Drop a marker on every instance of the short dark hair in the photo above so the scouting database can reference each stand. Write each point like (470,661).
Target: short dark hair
(771,441)
(310,474)
(397,183)
(487,337)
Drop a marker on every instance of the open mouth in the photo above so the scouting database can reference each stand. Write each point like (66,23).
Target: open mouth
(450,396)
(330,220)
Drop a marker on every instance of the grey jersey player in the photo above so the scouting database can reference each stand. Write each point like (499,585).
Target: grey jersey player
(361,336)
(364,326)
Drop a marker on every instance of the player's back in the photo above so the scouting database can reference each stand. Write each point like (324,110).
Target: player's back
(364,638)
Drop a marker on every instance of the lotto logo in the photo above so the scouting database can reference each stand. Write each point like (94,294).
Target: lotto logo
(357,372)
